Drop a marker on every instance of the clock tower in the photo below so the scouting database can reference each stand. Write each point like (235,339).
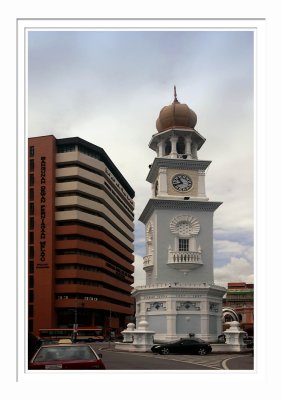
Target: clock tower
(180,297)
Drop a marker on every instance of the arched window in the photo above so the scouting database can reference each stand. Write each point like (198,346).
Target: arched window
(180,146)
(167,147)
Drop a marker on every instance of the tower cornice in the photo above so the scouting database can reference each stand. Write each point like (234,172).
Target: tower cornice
(195,136)
(159,204)
(178,289)
(175,163)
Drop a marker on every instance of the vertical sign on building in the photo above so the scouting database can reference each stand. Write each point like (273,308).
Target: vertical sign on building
(44,231)
(42,244)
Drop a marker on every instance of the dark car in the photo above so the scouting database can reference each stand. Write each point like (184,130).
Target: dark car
(66,356)
(183,346)
(33,344)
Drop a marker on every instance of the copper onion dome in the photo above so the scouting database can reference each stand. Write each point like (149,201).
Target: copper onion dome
(176,115)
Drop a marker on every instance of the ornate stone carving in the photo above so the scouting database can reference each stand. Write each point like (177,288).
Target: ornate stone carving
(188,306)
(149,232)
(185,226)
(156,306)
(214,307)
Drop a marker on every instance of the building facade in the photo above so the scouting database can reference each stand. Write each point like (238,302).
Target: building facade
(80,236)
(238,305)
(180,296)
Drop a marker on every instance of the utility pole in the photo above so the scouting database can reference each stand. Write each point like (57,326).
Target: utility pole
(110,325)
(110,320)
(75,325)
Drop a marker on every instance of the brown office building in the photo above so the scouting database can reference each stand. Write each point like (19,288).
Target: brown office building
(80,237)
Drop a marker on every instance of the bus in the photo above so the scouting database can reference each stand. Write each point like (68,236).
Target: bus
(92,334)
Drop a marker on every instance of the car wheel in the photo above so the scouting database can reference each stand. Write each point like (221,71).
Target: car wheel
(165,350)
(202,351)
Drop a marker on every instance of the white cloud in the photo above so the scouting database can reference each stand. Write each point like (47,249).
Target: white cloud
(239,269)
(228,246)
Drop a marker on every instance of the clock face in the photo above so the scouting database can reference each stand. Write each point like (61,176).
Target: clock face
(182,183)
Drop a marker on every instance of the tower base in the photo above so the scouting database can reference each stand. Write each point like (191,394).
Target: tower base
(178,310)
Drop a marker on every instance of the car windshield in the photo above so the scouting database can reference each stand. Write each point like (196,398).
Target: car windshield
(52,353)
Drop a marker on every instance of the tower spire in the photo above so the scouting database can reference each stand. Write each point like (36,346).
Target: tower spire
(175,95)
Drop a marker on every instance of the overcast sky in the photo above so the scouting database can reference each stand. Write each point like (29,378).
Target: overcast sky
(109,87)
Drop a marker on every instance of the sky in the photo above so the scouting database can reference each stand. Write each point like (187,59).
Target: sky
(108,88)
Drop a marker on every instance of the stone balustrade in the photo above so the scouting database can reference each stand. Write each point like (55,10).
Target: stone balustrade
(184,257)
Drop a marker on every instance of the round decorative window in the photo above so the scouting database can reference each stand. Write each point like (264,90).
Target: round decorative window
(185,225)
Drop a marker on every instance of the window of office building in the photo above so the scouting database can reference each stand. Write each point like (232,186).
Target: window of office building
(31,282)
(31,194)
(31,209)
(31,251)
(31,296)
(31,179)
(31,222)
(30,311)
(31,165)
(31,238)
(31,266)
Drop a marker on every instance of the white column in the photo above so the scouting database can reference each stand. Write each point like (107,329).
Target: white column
(171,326)
(204,319)
(188,147)
(201,184)
(160,149)
(170,305)
(162,182)
(194,151)
(173,141)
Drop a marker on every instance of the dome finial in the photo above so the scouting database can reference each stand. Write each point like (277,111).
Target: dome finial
(175,95)
(176,115)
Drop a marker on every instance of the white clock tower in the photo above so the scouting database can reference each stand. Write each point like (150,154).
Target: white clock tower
(180,297)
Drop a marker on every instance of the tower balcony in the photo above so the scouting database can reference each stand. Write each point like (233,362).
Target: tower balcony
(148,262)
(184,260)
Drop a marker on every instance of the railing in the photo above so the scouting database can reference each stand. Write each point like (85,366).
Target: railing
(184,257)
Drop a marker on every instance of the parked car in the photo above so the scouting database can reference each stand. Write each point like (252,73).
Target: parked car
(66,356)
(33,344)
(183,346)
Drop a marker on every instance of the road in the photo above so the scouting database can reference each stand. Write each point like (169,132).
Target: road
(120,360)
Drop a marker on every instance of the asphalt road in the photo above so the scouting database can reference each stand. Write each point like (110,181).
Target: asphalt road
(119,360)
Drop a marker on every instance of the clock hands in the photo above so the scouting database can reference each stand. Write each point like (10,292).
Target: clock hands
(182,182)
(177,180)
